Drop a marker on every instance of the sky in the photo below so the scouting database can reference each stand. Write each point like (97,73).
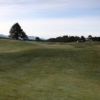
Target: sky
(51,18)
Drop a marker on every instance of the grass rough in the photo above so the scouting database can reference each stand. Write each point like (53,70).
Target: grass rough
(49,71)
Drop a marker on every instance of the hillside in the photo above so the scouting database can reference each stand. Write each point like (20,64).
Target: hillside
(49,71)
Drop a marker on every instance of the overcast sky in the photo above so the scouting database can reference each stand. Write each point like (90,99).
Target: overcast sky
(51,18)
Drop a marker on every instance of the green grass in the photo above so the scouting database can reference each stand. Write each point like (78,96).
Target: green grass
(49,71)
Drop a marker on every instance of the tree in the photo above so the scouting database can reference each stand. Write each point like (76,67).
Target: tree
(90,37)
(83,39)
(38,39)
(16,32)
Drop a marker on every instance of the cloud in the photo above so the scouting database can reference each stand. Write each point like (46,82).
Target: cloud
(15,9)
(59,3)
(48,18)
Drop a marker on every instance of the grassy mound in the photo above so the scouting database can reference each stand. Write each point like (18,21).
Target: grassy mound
(49,71)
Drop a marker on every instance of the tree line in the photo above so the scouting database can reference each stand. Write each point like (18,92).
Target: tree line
(67,38)
(16,32)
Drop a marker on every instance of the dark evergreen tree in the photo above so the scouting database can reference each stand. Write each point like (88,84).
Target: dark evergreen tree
(16,32)
(38,39)
(82,39)
(90,37)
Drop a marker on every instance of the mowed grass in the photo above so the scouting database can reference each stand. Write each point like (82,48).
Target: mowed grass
(49,71)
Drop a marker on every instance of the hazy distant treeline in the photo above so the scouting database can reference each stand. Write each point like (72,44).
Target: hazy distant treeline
(74,39)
